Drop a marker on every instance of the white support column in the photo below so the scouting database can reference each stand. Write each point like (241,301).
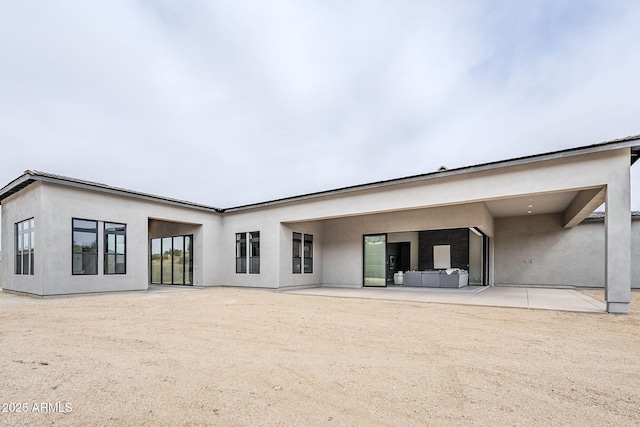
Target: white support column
(618,244)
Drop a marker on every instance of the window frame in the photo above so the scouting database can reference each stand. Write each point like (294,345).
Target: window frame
(20,251)
(307,244)
(296,266)
(253,238)
(241,253)
(82,253)
(107,255)
(186,264)
(248,252)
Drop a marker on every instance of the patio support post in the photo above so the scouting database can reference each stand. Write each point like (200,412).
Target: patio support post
(617,226)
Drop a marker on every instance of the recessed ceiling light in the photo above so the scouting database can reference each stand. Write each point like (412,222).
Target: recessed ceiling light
(528,211)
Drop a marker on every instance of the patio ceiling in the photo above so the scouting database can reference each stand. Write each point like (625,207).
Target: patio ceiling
(533,204)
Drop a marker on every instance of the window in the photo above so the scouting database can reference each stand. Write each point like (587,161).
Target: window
(85,247)
(308,253)
(25,247)
(302,253)
(172,260)
(241,253)
(297,253)
(253,239)
(115,241)
(254,252)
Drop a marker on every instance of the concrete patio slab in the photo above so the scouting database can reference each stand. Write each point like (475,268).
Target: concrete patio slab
(530,298)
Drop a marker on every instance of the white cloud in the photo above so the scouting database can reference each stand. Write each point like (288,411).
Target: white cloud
(229,103)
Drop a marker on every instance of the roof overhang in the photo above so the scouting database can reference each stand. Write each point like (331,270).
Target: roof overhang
(16,185)
(29,177)
(632,142)
(635,153)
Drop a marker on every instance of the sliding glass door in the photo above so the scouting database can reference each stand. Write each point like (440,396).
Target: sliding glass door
(375,256)
(172,260)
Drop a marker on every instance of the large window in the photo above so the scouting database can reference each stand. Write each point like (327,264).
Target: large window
(25,247)
(302,253)
(115,247)
(253,253)
(85,246)
(172,260)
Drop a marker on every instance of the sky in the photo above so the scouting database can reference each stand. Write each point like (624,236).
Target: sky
(227,103)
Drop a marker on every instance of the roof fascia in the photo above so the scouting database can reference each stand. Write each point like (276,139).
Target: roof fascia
(19,183)
(34,176)
(631,142)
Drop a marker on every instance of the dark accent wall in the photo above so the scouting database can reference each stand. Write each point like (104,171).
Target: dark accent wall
(457,238)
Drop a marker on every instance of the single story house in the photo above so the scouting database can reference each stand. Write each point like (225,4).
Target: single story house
(524,221)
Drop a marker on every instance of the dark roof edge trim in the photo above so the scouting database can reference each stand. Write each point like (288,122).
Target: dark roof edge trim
(14,186)
(32,176)
(29,177)
(599,216)
(627,142)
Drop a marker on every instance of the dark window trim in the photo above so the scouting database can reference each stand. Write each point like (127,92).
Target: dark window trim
(296,267)
(19,257)
(73,251)
(186,267)
(241,260)
(306,258)
(106,243)
(247,263)
(254,260)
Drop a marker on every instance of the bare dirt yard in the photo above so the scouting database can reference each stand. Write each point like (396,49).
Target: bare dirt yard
(245,357)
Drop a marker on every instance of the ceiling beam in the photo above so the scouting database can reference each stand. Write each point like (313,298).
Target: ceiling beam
(585,202)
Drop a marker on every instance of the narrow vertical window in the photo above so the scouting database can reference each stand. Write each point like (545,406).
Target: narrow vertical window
(167,260)
(25,234)
(188,261)
(156,260)
(308,253)
(85,247)
(178,260)
(254,252)
(241,252)
(297,253)
(115,244)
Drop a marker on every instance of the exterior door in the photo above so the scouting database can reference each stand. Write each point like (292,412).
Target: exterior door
(172,260)
(375,260)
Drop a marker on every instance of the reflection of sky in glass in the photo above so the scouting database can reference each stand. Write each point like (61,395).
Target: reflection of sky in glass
(120,244)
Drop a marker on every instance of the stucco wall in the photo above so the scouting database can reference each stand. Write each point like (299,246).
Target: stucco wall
(342,237)
(537,250)
(18,208)
(53,207)
(560,174)
(287,278)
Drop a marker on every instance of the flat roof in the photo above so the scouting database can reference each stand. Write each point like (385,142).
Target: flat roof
(31,176)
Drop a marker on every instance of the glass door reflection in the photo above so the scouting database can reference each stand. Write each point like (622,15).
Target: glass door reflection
(375,255)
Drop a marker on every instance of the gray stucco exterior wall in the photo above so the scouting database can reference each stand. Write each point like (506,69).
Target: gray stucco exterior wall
(544,247)
(537,250)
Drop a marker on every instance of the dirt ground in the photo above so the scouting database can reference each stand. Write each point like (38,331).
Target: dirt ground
(246,357)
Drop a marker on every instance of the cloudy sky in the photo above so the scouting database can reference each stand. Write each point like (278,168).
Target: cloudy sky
(233,102)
